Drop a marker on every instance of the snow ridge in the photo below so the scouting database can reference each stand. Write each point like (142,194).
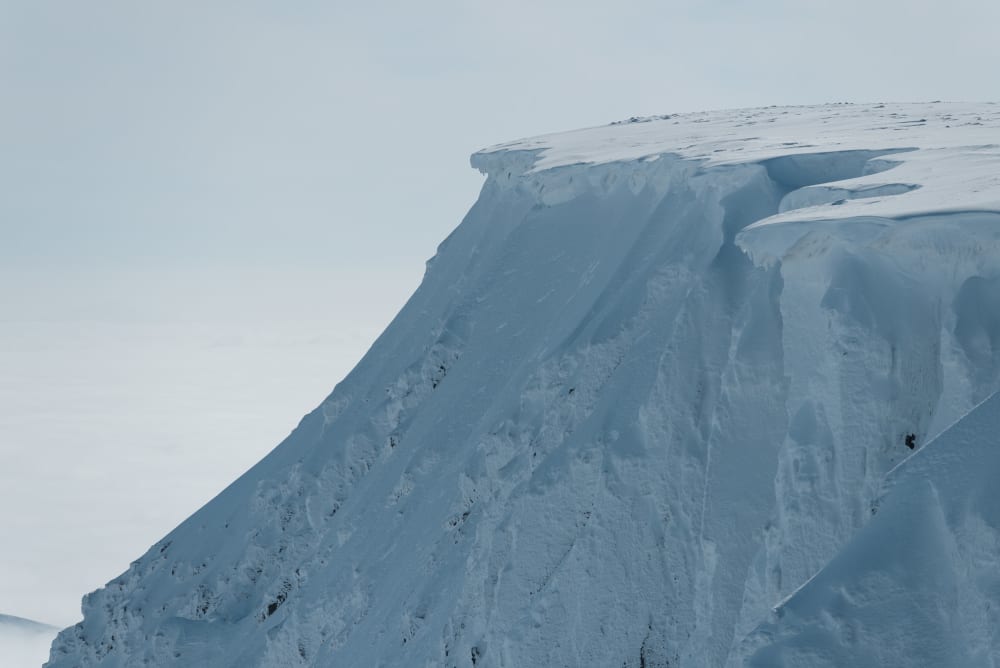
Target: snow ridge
(24,642)
(649,387)
(26,625)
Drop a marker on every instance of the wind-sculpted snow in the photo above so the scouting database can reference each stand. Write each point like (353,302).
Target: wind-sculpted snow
(648,388)
(919,585)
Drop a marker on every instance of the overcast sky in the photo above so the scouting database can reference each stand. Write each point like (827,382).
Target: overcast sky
(209,209)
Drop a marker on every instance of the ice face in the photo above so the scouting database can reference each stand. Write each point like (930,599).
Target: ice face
(644,393)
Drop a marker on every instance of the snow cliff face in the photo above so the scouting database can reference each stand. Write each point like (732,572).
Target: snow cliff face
(919,585)
(648,388)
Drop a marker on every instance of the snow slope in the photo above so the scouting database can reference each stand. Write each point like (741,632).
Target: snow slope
(919,585)
(647,389)
(24,643)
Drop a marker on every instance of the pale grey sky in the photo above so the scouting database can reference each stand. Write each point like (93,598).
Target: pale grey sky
(209,209)
(335,132)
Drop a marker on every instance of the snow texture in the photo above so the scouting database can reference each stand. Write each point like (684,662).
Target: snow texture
(919,585)
(649,388)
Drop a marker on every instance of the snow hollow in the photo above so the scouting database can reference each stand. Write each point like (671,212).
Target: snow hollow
(639,413)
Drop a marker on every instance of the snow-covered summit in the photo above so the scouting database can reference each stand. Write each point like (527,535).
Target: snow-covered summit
(648,388)
(943,157)
(751,135)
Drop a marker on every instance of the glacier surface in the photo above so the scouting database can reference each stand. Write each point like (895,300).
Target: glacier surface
(666,375)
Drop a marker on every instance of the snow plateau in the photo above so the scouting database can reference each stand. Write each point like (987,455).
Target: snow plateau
(649,388)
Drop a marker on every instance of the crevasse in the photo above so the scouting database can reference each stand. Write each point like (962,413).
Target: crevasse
(633,405)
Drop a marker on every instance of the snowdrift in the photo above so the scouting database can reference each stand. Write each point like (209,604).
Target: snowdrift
(649,388)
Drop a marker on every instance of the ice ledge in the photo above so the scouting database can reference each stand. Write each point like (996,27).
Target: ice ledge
(936,185)
(853,170)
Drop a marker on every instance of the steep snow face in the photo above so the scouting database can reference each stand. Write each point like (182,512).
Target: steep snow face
(647,389)
(918,586)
